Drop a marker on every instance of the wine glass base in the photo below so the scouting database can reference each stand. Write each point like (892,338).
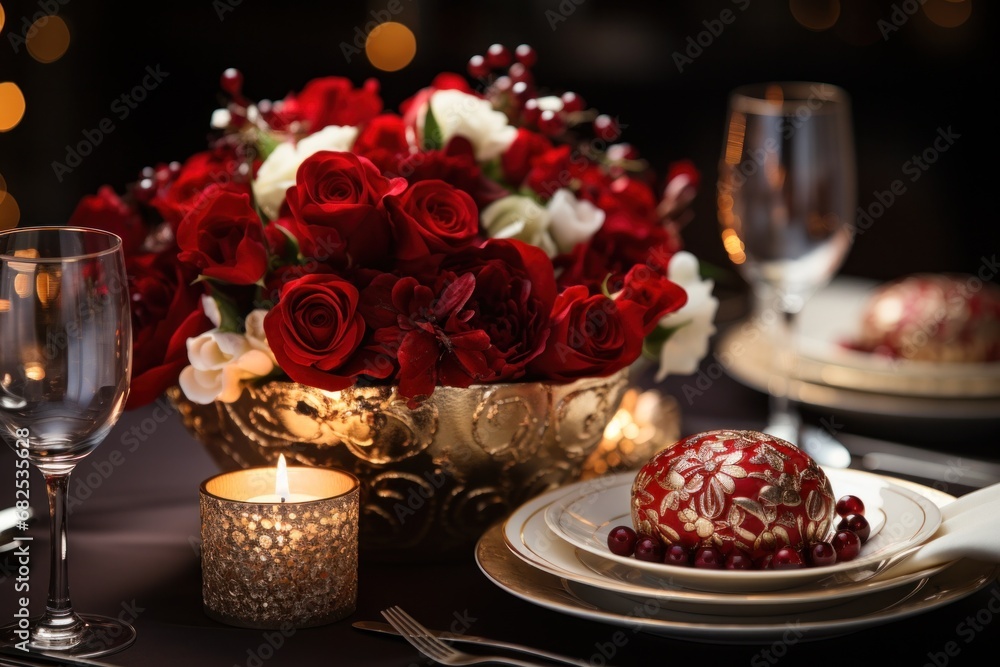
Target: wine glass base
(103,636)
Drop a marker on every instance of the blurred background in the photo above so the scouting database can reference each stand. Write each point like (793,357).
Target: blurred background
(912,67)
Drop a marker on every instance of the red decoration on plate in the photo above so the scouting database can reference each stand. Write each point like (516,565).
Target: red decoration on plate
(734,490)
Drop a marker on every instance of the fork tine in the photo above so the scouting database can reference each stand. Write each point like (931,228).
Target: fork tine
(416,638)
(424,632)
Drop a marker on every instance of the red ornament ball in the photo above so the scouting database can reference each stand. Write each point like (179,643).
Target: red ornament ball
(734,490)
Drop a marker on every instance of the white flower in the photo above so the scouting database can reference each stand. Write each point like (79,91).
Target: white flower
(461,114)
(221,361)
(689,344)
(572,221)
(277,172)
(521,218)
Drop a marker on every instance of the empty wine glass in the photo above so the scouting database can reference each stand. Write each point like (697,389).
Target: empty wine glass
(65,367)
(786,200)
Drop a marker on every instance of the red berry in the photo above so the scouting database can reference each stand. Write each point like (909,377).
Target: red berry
(521,92)
(525,55)
(649,549)
(621,541)
(850,505)
(531,112)
(708,558)
(477,67)
(606,127)
(764,562)
(621,152)
(147,172)
(847,544)
(232,81)
(677,554)
(145,190)
(821,554)
(175,169)
(787,558)
(737,559)
(858,524)
(551,123)
(497,56)
(502,84)
(572,102)
(519,72)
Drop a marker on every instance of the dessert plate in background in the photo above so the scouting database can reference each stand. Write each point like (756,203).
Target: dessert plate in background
(899,517)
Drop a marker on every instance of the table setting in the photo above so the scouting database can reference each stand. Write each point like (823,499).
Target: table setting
(439,378)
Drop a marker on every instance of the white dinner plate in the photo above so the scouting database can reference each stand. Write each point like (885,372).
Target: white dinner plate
(899,518)
(533,585)
(530,539)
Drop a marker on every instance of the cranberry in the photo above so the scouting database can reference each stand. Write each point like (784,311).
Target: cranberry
(145,190)
(649,549)
(232,81)
(519,72)
(677,554)
(847,544)
(850,505)
(764,562)
(525,55)
(497,56)
(606,127)
(858,524)
(708,558)
(621,540)
(521,91)
(147,172)
(175,169)
(821,554)
(572,102)
(531,112)
(787,558)
(737,559)
(477,67)
(551,123)
(503,84)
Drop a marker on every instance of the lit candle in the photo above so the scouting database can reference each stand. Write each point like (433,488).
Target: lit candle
(282,494)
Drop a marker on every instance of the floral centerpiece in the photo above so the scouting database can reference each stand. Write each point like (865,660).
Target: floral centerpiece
(485,234)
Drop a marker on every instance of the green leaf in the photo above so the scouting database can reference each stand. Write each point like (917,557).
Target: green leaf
(266,143)
(657,338)
(433,140)
(232,320)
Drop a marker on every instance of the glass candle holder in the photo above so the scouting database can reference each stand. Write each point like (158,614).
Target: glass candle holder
(269,564)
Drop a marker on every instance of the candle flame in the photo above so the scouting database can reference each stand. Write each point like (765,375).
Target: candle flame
(281,480)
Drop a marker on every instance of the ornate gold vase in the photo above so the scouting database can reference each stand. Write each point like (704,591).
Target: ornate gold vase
(434,478)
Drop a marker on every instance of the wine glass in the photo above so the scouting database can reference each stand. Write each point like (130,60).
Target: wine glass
(786,201)
(65,367)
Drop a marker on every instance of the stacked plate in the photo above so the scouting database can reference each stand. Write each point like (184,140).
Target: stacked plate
(553,552)
(830,375)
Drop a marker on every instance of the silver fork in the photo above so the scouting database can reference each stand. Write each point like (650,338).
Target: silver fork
(424,641)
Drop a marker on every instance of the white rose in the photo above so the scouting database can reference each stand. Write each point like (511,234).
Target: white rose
(521,218)
(255,333)
(461,114)
(220,362)
(689,344)
(277,172)
(573,221)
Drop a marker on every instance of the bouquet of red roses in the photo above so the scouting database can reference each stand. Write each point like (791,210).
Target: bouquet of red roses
(482,234)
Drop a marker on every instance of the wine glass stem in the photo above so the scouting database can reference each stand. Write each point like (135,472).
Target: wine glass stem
(782,411)
(59,627)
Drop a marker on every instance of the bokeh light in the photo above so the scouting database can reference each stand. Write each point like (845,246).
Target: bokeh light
(815,14)
(390,46)
(2,17)
(10,214)
(3,188)
(11,105)
(948,13)
(48,39)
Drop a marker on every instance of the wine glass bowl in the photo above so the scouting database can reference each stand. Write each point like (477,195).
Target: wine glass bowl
(786,199)
(65,368)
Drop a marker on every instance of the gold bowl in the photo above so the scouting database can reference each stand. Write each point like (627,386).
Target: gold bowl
(435,477)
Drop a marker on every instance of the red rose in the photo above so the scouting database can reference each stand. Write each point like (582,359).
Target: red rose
(166,311)
(512,301)
(316,332)
(457,165)
(337,205)
(333,100)
(190,192)
(108,212)
(655,295)
(550,171)
(431,217)
(517,159)
(426,330)
(225,239)
(383,141)
(592,336)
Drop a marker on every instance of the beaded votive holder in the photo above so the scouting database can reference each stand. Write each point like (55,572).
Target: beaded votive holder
(273,564)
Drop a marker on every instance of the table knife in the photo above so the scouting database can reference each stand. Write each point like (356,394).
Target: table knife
(385,628)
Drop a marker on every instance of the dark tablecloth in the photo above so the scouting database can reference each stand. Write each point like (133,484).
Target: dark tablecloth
(133,552)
